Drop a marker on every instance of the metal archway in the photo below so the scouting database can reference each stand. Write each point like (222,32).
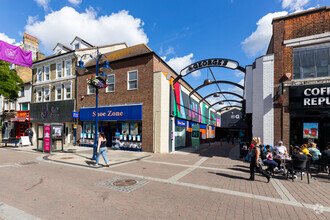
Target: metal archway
(228,100)
(224,92)
(213,82)
(233,106)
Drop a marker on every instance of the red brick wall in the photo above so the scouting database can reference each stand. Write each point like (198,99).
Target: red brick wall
(143,94)
(291,27)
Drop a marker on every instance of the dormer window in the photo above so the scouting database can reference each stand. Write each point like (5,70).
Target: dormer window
(76,46)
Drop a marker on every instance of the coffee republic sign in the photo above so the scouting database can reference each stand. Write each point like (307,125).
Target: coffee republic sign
(317,96)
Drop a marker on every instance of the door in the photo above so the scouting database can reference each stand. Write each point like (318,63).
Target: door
(40,137)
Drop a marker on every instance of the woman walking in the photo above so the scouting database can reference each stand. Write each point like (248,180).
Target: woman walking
(256,161)
(102,149)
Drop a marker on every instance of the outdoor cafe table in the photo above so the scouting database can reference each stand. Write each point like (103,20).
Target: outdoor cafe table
(284,159)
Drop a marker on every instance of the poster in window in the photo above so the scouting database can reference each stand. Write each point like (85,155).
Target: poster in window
(88,128)
(134,128)
(125,128)
(311,130)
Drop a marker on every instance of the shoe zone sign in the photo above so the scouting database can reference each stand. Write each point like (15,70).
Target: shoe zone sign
(311,96)
(132,112)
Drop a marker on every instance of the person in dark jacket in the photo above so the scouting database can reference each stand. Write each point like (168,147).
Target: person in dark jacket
(29,132)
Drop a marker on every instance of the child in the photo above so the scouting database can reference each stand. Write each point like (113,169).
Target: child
(269,160)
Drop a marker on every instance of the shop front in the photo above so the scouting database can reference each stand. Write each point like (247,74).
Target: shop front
(122,126)
(22,122)
(56,116)
(310,114)
(180,133)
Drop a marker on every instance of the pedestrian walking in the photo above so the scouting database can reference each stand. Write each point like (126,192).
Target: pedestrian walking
(28,132)
(256,161)
(101,149)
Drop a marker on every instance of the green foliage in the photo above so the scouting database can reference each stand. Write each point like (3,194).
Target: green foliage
(9,81)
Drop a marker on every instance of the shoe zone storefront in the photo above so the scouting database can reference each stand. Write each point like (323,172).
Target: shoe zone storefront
(310,114)
(122,126)
(192,122)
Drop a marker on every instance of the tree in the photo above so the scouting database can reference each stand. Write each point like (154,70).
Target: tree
(9,81)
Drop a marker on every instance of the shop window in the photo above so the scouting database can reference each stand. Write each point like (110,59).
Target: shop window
(132,80)
(39,95)
(68,66)
(58,93)
(47,73)
(24,106)
(59,70)
(67,92)
(39,74)
(90,89)
(111,83)
(46,94)
(311,62)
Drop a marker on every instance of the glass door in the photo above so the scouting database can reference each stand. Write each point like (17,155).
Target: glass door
(40,137)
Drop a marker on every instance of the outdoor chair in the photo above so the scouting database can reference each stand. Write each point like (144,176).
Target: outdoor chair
(298,166)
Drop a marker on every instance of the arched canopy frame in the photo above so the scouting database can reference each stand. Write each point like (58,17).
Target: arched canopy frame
(222,92)
(222,101)
(233,106)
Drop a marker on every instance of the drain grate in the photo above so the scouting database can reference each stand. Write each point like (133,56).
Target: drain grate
(27,163)
(123,184)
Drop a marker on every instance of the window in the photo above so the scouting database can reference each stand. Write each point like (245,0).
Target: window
(12,105)
(39,74)
(67,92)
(39,95)
(58,93)
(59,70)
(90,89)
(46,94)
(76,46)
(22,91)
(6,105)
(111,83)
(68,67)
(311,62)
(132,80)
(47,73)
(24,106)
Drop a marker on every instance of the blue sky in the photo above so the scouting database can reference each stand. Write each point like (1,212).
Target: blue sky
(179,31)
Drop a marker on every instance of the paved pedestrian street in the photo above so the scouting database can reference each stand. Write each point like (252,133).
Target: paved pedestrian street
(209,183)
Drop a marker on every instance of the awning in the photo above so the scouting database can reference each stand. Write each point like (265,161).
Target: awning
(18,120)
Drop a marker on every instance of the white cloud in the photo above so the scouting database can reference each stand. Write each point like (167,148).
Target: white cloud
(6,39)
(178,63)
(258,41)
(75,2)
(239,73)
(63,25)
(43,3)
(294,5)
(169,51)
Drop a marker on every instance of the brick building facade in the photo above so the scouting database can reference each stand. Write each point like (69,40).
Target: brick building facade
(300,45)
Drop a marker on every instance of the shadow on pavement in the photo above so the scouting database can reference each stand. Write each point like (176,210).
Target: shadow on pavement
(228,175)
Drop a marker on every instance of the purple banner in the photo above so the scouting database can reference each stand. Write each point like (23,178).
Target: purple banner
(14,54)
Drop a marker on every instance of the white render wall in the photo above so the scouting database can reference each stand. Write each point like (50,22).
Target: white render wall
(268,96)
(161,113)
(259,98)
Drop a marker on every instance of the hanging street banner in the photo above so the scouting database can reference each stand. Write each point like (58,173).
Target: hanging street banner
(14,54)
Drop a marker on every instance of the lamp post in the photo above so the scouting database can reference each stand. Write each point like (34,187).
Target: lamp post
(105,69)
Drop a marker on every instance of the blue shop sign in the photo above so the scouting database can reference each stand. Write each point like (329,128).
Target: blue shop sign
(191,124)
(181,123)
(202,126)
(75,114)
(129,112)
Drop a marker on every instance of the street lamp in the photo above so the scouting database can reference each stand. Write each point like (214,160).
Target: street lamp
(105,69)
